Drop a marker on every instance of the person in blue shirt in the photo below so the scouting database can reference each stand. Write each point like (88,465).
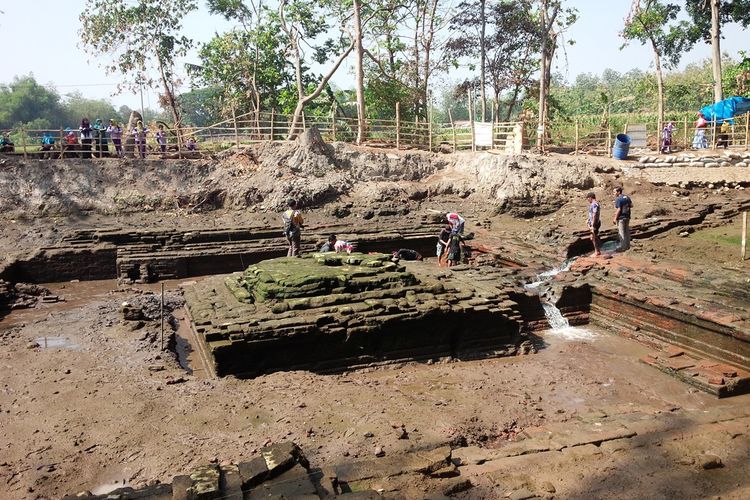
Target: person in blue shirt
(623,204)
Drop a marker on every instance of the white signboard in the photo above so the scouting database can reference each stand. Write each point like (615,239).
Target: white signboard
(483,134)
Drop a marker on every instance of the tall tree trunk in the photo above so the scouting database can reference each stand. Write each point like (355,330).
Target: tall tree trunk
(359,71)
(716,50)
(169,91)
(482,59)
(542,76)
(659,87)
(512,103)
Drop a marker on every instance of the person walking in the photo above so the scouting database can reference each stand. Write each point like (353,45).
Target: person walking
(623,205)
(594,222)
(293,224)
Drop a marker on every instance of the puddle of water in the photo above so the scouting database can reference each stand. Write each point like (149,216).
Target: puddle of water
(105,489)
(572,333)
(55,343)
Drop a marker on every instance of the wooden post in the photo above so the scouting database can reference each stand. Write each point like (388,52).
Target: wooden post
(609,142)
(744,234)
(429,127)
(747,132)
(333,120)
(713,133)
(272,117)
(398,125)
(453,129)
(62,143)
(577,136)
(161,315)
(471,122)
(23,142)
(236,130)
(685,133)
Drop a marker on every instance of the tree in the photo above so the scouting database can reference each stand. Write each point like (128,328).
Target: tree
(142,37)
(651,21)
(552,20)
(77,106)
(302,22)
(24,100)
(708,16)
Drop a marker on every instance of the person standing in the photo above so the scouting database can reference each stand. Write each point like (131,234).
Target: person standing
(594,222)
(161,139)
(623,204)
(293,224)
(115,133)
(86,137)
(699,139)
(666,137)
(139,134)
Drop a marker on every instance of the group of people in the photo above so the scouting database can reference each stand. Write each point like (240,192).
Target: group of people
(450,241)
(621,218)
(92,140)
(98,135)
(700,141)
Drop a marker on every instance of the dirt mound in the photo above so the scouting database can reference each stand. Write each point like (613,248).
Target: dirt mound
(265,176)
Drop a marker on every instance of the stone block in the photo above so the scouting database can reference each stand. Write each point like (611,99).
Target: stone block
(293,483)
(231,482)
(205,482)
(253,472)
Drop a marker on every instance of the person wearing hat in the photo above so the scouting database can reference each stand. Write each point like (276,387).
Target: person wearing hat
(456,221)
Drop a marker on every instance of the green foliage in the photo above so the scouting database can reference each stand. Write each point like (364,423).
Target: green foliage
(77,107)
(24,100)
(141,37)
(736,11)
(654,23)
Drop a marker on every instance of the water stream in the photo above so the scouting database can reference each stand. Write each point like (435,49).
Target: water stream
(559,325)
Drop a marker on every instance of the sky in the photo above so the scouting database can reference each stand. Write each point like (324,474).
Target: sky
(40,37)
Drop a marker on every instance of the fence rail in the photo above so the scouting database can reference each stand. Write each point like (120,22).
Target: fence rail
(580,135)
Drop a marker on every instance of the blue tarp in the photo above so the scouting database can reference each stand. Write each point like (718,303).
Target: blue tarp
(726,109)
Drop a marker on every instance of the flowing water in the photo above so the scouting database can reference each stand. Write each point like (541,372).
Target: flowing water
(559,325)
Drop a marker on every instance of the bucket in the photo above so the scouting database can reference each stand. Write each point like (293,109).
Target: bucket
(621,147)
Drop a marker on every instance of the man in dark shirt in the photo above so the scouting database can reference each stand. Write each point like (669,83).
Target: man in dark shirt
(623,204)
(330,245)
(442,242)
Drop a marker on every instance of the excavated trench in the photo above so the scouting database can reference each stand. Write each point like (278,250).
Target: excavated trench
(148,256)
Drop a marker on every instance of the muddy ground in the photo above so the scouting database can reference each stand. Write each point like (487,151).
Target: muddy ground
(87,402)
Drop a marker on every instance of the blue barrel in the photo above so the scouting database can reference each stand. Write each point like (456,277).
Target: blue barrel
(621,147)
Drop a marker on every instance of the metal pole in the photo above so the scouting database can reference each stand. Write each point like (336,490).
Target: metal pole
(161,314)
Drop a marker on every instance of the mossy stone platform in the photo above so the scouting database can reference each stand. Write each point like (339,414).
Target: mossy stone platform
(327,312)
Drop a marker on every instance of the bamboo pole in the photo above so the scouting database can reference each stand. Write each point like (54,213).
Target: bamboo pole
(333,120)
(429,127)
(236,130)
(744,234)
(273,110)
(471,122)
(685,133)
(23,142)
(713,133)
(398,125)
(577,136)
